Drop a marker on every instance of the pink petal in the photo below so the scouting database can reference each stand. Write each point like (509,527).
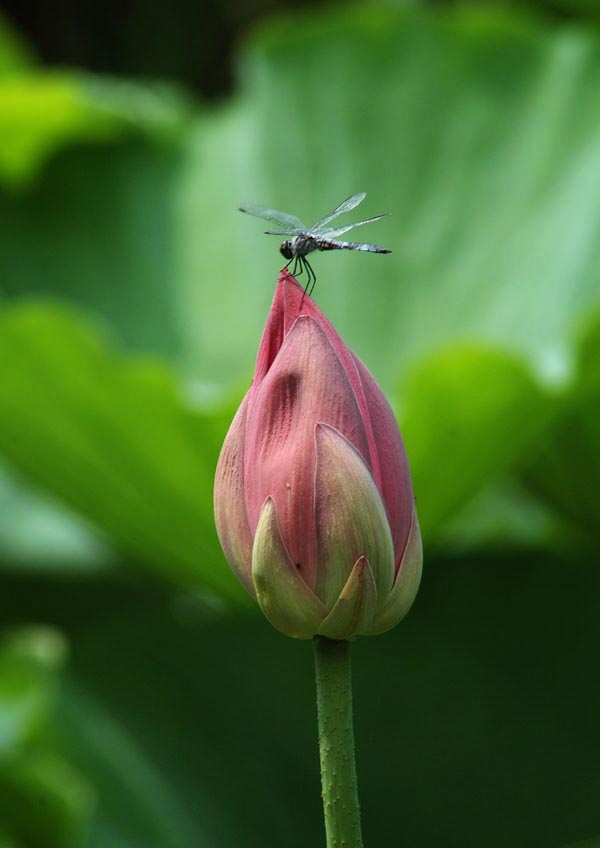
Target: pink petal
(305,384)
(230,507)
(288,304)
(395,483)
(386,455)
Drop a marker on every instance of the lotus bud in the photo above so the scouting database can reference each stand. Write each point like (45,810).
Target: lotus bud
(313,499)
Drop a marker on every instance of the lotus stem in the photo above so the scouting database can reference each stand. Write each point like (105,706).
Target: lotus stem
(336,743)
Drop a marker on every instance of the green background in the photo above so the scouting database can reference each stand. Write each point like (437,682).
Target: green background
(144,702)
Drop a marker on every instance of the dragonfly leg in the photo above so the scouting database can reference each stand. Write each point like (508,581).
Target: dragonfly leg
(313,275)
(305,267)
(311,278)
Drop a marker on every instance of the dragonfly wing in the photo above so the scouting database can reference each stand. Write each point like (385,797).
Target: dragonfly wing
(338,231)
(286,223)
(345,206)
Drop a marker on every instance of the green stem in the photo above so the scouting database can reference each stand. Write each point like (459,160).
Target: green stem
(336,743)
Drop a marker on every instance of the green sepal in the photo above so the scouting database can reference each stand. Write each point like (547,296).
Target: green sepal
(351,519)
(286,600)
(355,607)
(404,591)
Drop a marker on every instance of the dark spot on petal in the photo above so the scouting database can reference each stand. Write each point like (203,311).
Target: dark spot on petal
(280,412)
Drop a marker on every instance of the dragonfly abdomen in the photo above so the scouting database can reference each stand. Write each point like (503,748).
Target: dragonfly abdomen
(331,244)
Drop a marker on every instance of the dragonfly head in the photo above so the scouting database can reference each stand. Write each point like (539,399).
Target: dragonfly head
(286,249)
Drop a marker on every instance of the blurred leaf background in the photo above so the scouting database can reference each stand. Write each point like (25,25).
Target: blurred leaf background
(143,701)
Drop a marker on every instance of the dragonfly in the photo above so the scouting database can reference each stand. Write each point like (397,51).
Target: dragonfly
(302,240)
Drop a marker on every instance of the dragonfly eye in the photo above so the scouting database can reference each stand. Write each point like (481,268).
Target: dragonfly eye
(286,249)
